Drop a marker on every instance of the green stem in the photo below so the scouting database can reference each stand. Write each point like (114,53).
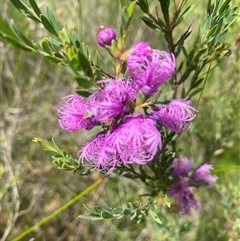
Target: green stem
(60,210)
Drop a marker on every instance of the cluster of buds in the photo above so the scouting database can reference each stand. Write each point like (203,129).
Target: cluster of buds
(182,168)
(130,125)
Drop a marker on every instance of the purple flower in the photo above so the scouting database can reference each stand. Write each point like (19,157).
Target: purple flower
(150,68)
(176,116)
(105,36)
(141,49)
(100,152)
(137,140)
(112,101)
(72,114)
(203,176)
(184,197)
(182,166)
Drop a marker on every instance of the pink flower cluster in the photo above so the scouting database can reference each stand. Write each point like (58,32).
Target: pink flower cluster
(129,135)
(181,190)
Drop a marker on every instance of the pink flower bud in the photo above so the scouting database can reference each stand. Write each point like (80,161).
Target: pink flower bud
(105,36)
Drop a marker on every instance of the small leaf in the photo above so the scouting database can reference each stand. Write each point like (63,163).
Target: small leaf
(83,92)
(85,64)
(45,46)
(52,19)
(20,35)
(98,209)
(75,41)
(143,4)
(149,22)
(154,216)
(35,7)
(91,218)
(24,10)
(94,131)
(167,200)
(106,215)
(48,25)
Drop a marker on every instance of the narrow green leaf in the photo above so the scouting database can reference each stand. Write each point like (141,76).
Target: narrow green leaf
(85,64)
(16,43)
(149,22)
(83,92)
(167,200)
(91,218)
(20,35)
(94,131)
(75,41)
(143,4)
(106,215)
(154,216)
(35,7)
(99,210)
(100,61)
(212,31)
(5,28)
(48,25)
(52,19)
(24,10)
(45,46)
(165,7)
(83,81)
(194,92)
(224,6)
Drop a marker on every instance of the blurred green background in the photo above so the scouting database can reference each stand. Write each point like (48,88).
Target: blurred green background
(31,92)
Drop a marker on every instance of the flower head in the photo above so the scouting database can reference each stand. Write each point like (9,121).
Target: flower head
(137,140)
(176,116)
(105,36)
(203,176)
(184,197)
(182,166)
(72,114)
(112,101)
(149,68)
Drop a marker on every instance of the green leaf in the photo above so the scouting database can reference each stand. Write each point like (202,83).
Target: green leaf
(5,29)
(83,92)
(48,25)
(149,22)
(154,216)
(91,218)
(24,10)
(167,200)
(195,92)
(94,131)
(224,6)
(99,209)
(143,4)
(85,64)
(45,144)
(75,41)
(106,215)
(52,19)
(20,35)
(83,81)
(212,31)
(165,7)
(100,61)
(44,44)
(16,43)
(118,210)
(35,7)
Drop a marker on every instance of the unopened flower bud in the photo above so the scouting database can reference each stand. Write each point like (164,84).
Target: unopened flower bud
(105,36)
